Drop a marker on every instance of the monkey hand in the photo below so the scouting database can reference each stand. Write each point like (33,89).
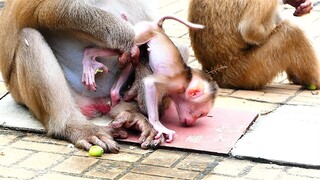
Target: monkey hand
(90,68)
(130,118)
(161,130)
(302,6)
(130,57)
(86,134)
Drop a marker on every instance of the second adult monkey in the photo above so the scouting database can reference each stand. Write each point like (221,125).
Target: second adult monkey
(245,46)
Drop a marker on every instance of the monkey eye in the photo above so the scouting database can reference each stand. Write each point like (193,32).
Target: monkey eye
(201,115)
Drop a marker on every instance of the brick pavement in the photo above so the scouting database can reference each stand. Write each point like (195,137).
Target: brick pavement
(26,155)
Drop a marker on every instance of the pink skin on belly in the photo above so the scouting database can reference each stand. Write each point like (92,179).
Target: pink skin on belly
(93,110)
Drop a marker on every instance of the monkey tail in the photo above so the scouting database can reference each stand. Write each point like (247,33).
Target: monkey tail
(185,22)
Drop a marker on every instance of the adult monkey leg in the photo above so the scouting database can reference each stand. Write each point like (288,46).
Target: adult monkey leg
(287,49)
(253,49)
(39,83)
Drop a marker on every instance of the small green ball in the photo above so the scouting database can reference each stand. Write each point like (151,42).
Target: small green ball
(312,87)
(96,151)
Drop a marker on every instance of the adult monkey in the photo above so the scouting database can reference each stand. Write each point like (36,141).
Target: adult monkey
(245,46)
(42,43)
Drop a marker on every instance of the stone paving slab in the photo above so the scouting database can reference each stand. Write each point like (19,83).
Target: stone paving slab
(288,135)
(16,116)
(216,134)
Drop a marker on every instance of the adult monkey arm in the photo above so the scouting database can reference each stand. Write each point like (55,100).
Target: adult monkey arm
(80,17)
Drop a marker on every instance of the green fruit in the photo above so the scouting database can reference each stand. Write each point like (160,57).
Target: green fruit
(312,87)
(95,151)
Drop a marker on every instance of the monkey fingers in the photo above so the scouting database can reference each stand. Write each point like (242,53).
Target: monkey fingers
(129,117)
(168,134)
(303,9)
(96,135)
(90,68)
(302,6)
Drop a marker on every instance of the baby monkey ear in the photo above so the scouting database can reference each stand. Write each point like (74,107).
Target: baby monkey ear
(195,89)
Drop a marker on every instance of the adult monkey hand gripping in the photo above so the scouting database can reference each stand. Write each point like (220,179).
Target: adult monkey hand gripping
(40,60)
(251,45)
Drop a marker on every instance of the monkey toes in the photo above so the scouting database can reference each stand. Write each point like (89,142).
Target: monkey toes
(86,135)
(130,118)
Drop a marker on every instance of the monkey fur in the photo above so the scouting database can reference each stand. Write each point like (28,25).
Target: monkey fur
(244,46)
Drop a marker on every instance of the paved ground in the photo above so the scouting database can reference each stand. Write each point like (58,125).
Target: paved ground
(34,156)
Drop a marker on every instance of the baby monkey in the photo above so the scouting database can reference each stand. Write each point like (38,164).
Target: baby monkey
(192,91)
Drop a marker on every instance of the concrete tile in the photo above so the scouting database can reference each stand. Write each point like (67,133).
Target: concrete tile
(134,176)
(3,89)
(218,133)
(5,139)
(226,92)
(306,97)
(285,89)
(290,134)
(220,177)
(16,173)
(262,171)
(10,156)
(165,172)
(163,158)
(54,176)
(40,161)
(38,146)
(16,116)
(197,162)
(75,165)
(41,138)
(291,177)
(260,96)
(244,104)
(108,169)
(126,157)
(314,173)
(231,167)
(306,101)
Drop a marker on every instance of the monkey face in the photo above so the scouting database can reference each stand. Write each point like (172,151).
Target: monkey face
(189,112)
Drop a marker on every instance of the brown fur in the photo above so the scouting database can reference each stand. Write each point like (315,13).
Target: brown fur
(246,38)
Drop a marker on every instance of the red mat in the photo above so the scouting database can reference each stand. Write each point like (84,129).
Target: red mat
(217,134)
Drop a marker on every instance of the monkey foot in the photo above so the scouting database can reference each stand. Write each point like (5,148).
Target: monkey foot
(85,134)
(126,115)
